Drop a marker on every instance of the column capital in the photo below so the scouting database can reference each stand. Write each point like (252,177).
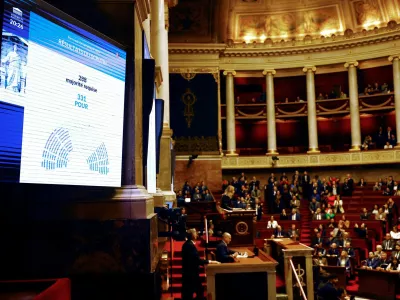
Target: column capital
(391,58)
(230,72)
(269,71)
(309,68)
(351,63)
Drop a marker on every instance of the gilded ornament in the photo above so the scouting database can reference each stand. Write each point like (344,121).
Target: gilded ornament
(189,99)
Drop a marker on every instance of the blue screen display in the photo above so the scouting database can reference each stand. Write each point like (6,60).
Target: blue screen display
(62,92)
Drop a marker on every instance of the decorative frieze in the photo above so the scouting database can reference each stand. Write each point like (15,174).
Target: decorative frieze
(316,160)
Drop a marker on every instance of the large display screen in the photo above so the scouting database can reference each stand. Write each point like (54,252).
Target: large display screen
(62,90)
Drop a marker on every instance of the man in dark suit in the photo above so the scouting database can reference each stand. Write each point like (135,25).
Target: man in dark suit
(294,233)
(191,263)
(388,243)
(328,291)
(317,240)
(295,216)
(278,233)
(223,254)
(364,215)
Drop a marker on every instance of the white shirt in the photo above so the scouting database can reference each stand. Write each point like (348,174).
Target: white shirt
(395,235)
(272,224)
(294,217)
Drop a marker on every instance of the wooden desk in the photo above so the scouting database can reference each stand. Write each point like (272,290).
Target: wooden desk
(301,256)
(244,279)
(379,285)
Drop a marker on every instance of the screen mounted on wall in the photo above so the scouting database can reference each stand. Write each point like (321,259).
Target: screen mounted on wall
(62,89)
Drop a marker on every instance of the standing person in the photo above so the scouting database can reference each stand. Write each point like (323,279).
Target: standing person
(226,200)
(191,263)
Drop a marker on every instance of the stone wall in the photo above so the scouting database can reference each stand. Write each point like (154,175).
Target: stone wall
(207,168)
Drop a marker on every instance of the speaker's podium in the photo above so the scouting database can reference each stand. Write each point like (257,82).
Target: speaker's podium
(241,224)
(251,277)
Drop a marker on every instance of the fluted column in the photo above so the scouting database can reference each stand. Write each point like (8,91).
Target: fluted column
(396,82)
(354,106)
(311,110)
(230,114)
(271,126)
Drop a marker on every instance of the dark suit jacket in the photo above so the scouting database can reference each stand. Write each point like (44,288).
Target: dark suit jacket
(191,260)
(364,216)
(283,234)
(388,245)
(316,241)
(297,217)
(223,253)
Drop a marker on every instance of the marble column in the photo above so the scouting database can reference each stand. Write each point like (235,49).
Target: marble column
(288,276)
(310,277)
(159,50)
(354,106)
(230,114)
(311,110)
(396,82)
(271,125)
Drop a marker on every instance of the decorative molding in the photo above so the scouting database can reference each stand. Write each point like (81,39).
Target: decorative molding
(193,70)
(309,68)
(351,63)
(142,8)
(292,47)
(229,72)
(315,160)
(393,57)
(265,72)
(159,77)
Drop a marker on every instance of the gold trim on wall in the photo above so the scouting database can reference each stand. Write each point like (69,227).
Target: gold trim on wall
(313,160)
(193,70)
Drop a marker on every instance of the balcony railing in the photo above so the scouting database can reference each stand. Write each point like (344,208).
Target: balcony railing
(368,103)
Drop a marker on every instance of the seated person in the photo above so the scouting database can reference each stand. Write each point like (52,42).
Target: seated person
(379,251)
(395,233)
(364,214)
(319,257)
(197,196)
(394,265)
(333,251)
(223,254)
(180,198)
(316,240)
(207,196)
(388,243)
(295,216)
(371,262)
(349,249)
(338,205)
(278,233)
(318,215)
(314,205)
(329,213)
(396,252)
(272,223)
(383,262)
(283,215)
(344,261)
(377,187)
(293,233)
(361,231)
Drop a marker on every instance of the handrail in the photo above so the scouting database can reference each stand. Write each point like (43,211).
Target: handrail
(297,279)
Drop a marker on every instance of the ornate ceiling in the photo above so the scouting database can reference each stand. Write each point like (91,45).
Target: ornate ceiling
(206,21)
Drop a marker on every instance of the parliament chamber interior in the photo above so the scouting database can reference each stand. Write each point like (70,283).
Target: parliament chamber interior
(200,149)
